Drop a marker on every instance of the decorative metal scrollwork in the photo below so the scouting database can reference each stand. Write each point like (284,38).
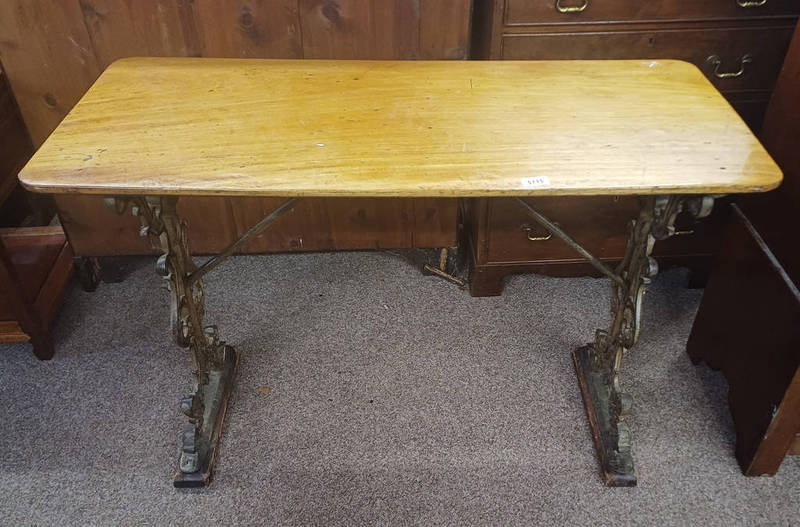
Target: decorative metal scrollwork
(656,222)
(161,224)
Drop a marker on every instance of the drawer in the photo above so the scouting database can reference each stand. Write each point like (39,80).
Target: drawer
(533,12)
(598,223)
(747,59)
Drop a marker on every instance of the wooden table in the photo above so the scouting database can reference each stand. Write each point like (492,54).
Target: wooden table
(152,130)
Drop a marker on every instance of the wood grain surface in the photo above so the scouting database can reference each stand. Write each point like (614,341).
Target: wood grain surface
(404,129)
(53,50)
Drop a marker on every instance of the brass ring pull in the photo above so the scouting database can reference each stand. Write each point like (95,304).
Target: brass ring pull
(750,3)
(715,61)
(575,9)
(535,238)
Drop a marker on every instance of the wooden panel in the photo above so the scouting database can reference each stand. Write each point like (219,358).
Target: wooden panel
(32,252)
(314,225)
(782,123)
(48,56)
(55,286)
(385,29)
(250,28)
(435,221)
(133,28)
(326,224)
(101,232)
(751,292)
(400,129)
(765,46)
(15,146)
(531,12)
(11,332)
(444,29)
(360,29)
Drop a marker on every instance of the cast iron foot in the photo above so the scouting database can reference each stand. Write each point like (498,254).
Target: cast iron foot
(198,453)
(611,438)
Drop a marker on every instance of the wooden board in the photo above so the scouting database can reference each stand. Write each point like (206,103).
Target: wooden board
(54,49)
(404,129)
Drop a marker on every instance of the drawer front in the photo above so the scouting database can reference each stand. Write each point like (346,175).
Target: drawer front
(734,59)
(533,12)
(598,223)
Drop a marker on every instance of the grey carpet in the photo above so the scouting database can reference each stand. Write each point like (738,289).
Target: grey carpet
(393,399)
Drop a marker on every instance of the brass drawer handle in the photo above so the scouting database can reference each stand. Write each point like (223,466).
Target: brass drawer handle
(575,9)
(533,237)
(750,3)
(715,61)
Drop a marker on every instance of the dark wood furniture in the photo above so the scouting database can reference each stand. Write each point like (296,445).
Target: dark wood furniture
(15,149)
(748,326)
(754,289)
(35,263)
(54,50)
(739,46)
(35,269)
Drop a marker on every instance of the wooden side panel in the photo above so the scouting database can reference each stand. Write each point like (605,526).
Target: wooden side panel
(48,56)
(445,29)
(795,450)
(435,222)
(249,28)
(750,291)
(782,123)
(15,146)
(130,28)
(360,29)
(100,232)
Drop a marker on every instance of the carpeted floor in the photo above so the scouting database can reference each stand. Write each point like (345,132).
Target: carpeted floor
(393,399)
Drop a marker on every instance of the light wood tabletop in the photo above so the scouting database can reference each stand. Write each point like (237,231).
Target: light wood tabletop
(400,128)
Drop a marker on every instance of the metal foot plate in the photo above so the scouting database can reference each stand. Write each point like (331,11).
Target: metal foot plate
(216,395)
(596,386)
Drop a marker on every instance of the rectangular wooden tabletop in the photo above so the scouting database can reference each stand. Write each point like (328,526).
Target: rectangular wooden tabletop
(400,128)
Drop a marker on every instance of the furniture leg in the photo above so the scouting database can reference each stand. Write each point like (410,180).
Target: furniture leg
(598,364)
(214,363)
(87,268)
(23,308)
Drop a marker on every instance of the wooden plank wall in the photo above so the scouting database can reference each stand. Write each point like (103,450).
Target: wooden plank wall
(52,51)
(15,145)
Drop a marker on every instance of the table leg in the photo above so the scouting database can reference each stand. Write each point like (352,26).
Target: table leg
(213,362)
(598,364)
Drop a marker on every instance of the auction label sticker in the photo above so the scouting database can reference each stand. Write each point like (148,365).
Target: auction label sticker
(535,182)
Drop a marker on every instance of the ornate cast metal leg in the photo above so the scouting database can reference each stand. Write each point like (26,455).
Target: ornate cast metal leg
(213,362)
(598,364)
